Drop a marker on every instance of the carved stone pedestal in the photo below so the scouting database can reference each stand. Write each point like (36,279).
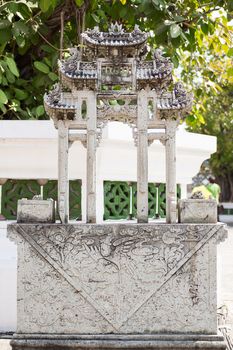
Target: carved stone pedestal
(118,286)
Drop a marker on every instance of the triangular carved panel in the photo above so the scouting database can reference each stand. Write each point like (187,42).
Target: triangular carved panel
(117,268)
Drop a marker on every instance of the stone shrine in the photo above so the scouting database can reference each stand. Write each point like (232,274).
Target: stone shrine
(117,285)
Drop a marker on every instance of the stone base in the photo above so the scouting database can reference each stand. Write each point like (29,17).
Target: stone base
(116,278)
(36,211)
(119,342)
(197,211)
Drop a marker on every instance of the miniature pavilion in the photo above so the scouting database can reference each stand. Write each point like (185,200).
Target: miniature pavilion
(110,79)
(148,286)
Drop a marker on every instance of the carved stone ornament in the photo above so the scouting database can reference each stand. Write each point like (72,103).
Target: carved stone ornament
(124,66)
(116,278)
(116,36)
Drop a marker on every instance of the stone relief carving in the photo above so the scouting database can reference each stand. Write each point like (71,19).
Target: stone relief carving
(115,36)
(116,274)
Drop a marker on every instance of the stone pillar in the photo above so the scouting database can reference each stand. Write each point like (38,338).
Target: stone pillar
(142,159)
(171,200)
(42,183)
(63,179)
(91,157)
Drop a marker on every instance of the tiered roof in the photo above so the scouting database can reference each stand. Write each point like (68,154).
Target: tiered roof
(115,37)
(124,65)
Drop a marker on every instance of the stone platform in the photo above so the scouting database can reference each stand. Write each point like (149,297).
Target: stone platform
(119,342)
(117,286)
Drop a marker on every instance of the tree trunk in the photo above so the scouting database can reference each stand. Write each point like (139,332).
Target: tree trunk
(226,184)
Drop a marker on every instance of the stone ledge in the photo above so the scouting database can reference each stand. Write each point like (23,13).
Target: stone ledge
(96,341)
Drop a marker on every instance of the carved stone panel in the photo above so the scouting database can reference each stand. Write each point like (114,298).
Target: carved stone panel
(116,278)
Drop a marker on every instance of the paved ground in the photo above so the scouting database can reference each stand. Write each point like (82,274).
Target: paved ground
(4,344)
(225,281)
(225,265)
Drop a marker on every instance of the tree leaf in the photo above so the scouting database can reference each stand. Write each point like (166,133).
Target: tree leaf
(53,3)
(96,18)
(179,18)
(79,2)
(205,28)
(123,2)
(48,62)
(3,108)
(3,97)
(47,48)
(20,28)
(10,77)
(168,22)
(12,66)
(5,35)
(45,5)
(191,118)
(5,23)
(175,30)
(13,7)
(42,67)
(230,71)
(20,41)
(20,94)
(230,52)
(40,111)
(53,76)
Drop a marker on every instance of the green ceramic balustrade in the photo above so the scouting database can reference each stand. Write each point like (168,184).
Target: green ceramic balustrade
(13,190)
(120,200)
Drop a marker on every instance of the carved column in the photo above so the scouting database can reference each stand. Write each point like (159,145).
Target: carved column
(171,199)
(63,179)
(91,157)
(142,159)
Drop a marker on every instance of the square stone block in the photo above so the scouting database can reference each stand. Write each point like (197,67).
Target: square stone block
(197,211)
(116,279)
(36,211)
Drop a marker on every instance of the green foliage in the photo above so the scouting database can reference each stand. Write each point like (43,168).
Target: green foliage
(189,31)
(41,67)
(12,66)
(3,97)
(218,120)
(197,35)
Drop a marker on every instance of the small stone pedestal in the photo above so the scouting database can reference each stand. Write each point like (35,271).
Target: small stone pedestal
(197,211)
(116,286)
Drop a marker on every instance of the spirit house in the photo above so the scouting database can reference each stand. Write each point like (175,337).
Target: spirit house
(117,286)
(111,80)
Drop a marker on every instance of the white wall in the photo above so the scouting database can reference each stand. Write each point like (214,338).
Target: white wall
(8,266)
(28,150)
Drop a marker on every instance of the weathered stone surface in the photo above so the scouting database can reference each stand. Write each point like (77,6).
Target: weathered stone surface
(116,278)
(35,211)
(197,211)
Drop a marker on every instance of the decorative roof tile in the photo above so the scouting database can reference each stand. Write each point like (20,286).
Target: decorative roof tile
(115,37)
